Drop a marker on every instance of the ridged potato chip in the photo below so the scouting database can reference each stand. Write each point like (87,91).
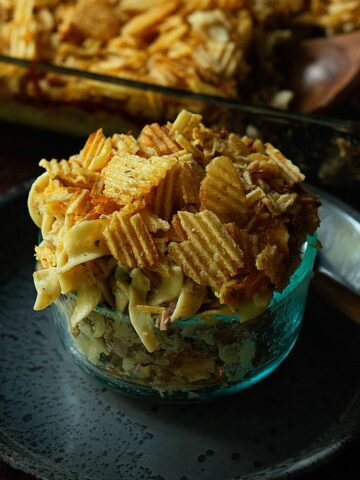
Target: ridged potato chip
(249,294)
(156,140)
(96,152)
(176,232)
(71,173)
(130,177)
(222,191)
(148,21)
(130,242)
(247,242)
(289,171)
(80,203)
(269,260)
(125,143)
(189,183)
(210,256)
(153,222)
(180,187)
(163,198)
(185,122)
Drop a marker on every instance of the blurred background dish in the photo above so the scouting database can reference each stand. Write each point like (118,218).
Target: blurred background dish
(229,48)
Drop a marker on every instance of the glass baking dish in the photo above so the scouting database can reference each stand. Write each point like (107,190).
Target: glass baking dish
(327,149)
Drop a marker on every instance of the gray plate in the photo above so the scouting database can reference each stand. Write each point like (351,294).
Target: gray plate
(58,423)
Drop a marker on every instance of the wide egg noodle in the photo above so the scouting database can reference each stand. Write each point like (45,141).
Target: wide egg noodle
(33,204)
(189,301)
(84,242)
(142,322)
(47,285)
(169,288)
(87,297)
(71,279)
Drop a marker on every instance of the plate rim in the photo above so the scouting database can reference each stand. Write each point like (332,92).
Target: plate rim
(315,457)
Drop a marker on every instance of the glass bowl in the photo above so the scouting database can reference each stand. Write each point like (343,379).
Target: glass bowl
(201,358)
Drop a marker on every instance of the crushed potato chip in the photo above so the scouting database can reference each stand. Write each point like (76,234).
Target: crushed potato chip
(97,152)
(290,172)
(155,140)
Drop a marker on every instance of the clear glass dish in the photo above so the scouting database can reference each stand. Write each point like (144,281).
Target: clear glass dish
(325,148)
(202,358)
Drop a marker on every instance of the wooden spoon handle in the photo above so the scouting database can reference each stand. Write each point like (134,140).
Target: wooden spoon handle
(339,296)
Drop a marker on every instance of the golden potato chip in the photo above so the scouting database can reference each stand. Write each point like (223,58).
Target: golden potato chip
(219,58)
(185,122)
(96,152)
(79,203)
(45,254)
(176,232)
(271,205)
(222,191)
(70,173)
(58,196)
(180,187)
(189,183)
(133,207)
(93,19)
(22,41)
(130,242)
(289,171)
(125,143)
(254,196)
(249,294)
(188,146)
(285,200)
(167,38)
(153,222)
(101,205)
(136,6)
(130,177)
(98,185)
(210,256)
(148,21)
(247,242)
(57,168)
(261,166)
(276,234)
(232,146)
(155,140)
(163,198)
(269,260)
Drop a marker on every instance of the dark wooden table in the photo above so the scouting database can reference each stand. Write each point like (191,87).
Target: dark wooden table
(21,149)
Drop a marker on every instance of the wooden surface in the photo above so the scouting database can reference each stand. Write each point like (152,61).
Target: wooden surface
(20,151)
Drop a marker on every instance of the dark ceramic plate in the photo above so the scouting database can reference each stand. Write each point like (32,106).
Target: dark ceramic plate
(58,423)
